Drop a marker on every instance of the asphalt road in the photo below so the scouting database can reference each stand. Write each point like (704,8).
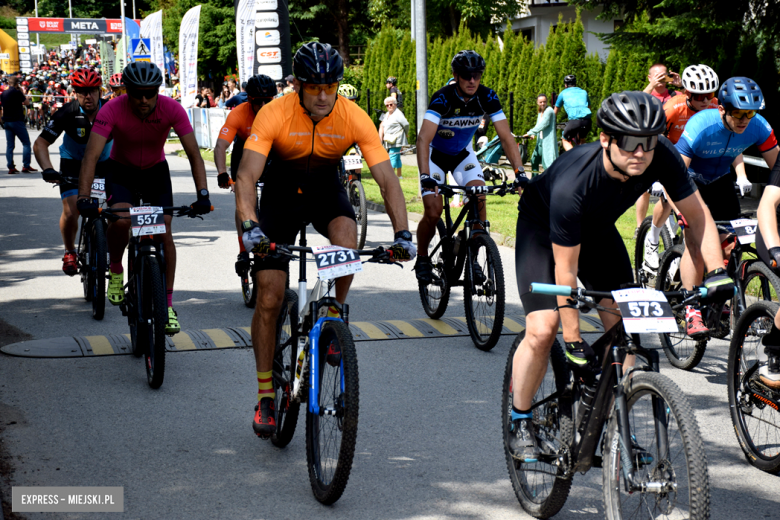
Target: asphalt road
(429,443)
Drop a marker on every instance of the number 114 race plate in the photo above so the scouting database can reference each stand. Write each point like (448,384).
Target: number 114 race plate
(336,261)
(645,310)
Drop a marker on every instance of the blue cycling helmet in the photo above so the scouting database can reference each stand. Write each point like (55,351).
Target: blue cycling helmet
(741,93)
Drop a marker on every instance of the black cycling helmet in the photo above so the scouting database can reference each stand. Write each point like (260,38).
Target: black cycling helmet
(392,80)
(142,74)
(467,62)
(570,80)
(318,63)
(260,86)
(632,113)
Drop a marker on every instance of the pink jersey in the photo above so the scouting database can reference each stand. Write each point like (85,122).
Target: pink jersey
(139,142)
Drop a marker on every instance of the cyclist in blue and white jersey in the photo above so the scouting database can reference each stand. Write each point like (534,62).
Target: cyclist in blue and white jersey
(444,145)
(712,141)
(576,102)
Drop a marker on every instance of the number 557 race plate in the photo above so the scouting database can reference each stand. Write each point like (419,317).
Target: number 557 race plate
(336,261)
(645,310)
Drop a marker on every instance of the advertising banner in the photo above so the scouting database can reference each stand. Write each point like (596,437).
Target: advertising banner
(272,56)
(107,64)
(245,36)
(151,27)
(188,56)
(74,25)
(9,53)
(23,50)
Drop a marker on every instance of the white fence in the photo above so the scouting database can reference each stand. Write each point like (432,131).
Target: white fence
(207,123)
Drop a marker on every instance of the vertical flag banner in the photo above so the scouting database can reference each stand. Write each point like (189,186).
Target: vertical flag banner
(132,31)
(107,64)
(151,27)
(273,55)
(188,56)
(245,38)
(121,55)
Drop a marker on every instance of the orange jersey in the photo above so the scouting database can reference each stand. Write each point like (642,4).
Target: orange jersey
(284,126)
(677,115)
(239,121)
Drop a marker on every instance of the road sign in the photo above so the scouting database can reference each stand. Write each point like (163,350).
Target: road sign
(141,49)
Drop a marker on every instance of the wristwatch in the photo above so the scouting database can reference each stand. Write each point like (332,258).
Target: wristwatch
(248,225)
(404,235)
(203,194)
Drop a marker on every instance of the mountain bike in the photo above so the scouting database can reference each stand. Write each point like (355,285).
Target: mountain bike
(489,157)
(670,237)
(349,173)
(302,375)
(92,251)
(651,453)
(248,287)
(146,304)
(753,279)
(483,284)
(753,405)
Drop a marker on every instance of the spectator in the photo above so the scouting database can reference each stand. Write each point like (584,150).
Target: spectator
(658,77)
(223,96)
(234,101)
(12,103)
(290,81)
(279,89)
(233,88)
(288,90)
(208,99)
(392,133)
(176,88)
(546,149)
(394,92)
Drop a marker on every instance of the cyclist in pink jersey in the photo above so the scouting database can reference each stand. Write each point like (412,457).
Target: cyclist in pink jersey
(139,123)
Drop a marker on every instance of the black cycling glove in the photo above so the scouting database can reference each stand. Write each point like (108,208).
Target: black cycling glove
(50,175)
(774,257)
(427,183)
(203,204)
(581,356)
(223,179)
(720,287)
(88,208)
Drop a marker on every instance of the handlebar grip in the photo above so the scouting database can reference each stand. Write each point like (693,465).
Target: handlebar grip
(553,290)
(773,264)
(273,246)
(212,208)
(703,291)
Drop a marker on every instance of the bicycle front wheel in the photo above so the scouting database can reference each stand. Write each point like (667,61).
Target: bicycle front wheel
(436,295)
(357,197)
(541,487)
(667,456)
(154,311)
(331,434)
(98,266)
(756,422)
(645,275)
(483,293)
(285,363)
(681,350)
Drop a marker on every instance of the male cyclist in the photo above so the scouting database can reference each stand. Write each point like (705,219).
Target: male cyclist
(566,228)
(75,119)
(576,103)
(139,124)
(260,89)
(444,145)
(700,84)
(712,141)
(117,87)
(307,134)
(393,91)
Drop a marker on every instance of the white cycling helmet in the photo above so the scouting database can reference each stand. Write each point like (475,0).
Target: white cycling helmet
(700,79)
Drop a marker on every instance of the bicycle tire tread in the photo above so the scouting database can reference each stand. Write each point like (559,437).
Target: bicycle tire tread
(498,321)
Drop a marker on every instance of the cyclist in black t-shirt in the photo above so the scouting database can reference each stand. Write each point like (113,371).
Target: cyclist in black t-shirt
(566,229)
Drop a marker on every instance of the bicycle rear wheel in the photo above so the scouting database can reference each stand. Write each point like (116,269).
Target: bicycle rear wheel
(483,293)
(436,295)
(98,266)
(682,351)
(285,362)
(760,284)
(154,307)
(331,435)
(756,422)
(357,197)
(644,275)
(657,406)
(541,487)
(87,281)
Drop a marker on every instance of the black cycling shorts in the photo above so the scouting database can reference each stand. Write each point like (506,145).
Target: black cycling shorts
(577,128)
(72,168)
(235,157)
(721,197)
(603,264)
(133,185)
(283,210)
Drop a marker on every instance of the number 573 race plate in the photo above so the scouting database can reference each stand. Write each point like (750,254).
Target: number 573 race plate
(645,310)
(147,220)
(336,261)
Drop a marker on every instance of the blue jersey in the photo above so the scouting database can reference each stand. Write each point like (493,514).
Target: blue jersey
(458,120)
(575,101)
(72,120)
(712,147)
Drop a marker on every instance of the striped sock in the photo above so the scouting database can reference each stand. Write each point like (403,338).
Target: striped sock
(333,312)
(265,385)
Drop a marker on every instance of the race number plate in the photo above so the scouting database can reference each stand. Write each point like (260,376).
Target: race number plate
(335,261)
(645,310)
(36,105)
(746,230)
(147,220)
(98,189)
(353,162)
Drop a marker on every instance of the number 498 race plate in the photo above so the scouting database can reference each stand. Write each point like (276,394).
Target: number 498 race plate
(645,310)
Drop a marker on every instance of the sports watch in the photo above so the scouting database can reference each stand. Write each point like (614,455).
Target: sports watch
(247,225)
(404,235)
(203,194)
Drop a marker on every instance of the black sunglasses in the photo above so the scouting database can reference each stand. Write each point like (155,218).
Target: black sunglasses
(140,94)
(629,143)
(86,90)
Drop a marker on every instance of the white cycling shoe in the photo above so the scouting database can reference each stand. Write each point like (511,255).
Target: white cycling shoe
(651,256)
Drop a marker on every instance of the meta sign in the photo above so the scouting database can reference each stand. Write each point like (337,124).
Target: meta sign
(73,25)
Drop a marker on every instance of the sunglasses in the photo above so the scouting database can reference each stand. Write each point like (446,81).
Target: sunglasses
(703,97)
(141,94)
(390,105)
(741,114)
(315,89)
(85,91)
(468,76)
(629,143)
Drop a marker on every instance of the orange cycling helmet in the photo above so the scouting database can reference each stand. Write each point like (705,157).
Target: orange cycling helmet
(86,78)
(116,80)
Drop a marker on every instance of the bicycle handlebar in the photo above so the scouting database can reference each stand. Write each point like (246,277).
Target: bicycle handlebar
(379,255)
(182,211)
(501,189)
(565,290)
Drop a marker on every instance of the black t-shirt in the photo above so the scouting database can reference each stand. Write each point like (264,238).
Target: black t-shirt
(12,101)
(399,98)
(576,196)
(72,120)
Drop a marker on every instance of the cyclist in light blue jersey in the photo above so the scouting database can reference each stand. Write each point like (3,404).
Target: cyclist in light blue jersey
(576,103)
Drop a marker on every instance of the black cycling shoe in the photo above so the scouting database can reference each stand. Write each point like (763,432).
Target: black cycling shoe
(522,441)
(264,423)
(423,268)
(242,263)
(333,357)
